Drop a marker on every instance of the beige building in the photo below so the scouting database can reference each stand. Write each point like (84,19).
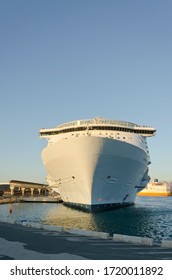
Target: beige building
(16,187)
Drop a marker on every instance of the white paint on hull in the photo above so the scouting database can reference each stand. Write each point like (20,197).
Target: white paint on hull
(94,170)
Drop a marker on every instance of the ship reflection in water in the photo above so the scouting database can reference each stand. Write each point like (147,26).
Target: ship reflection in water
(148,217)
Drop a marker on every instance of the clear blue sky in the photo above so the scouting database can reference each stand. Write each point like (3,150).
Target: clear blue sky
(62,60)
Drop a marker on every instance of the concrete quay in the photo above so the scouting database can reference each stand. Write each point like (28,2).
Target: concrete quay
(21,240)
(6,200)
(38,199)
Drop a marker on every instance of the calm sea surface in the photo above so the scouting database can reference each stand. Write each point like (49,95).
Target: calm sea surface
(148,217)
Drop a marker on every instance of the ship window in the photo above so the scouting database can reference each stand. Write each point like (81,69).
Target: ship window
(96,127)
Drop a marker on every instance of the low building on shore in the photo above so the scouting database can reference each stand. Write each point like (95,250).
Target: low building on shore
(17,188)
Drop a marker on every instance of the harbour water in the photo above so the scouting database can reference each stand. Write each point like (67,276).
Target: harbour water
(148,217)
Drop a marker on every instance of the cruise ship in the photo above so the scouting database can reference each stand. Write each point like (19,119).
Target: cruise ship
(157,188)
(97,164)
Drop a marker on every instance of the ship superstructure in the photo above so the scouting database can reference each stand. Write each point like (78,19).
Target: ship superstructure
(97,164)
(156,188)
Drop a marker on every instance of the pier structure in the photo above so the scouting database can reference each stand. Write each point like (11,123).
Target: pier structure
(16,187)
(27,188)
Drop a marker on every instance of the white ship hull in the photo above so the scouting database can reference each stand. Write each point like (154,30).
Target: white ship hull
(96,173)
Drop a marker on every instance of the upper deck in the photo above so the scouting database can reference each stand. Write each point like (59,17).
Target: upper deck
(97,124)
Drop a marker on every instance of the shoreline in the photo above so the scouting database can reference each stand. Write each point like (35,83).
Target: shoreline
(89,233)
(26,199)
(21,241)
(8,200)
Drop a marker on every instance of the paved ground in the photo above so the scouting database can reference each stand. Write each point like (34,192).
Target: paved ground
(19,242)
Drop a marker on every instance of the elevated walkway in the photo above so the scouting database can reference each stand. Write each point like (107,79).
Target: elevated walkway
(16,187)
